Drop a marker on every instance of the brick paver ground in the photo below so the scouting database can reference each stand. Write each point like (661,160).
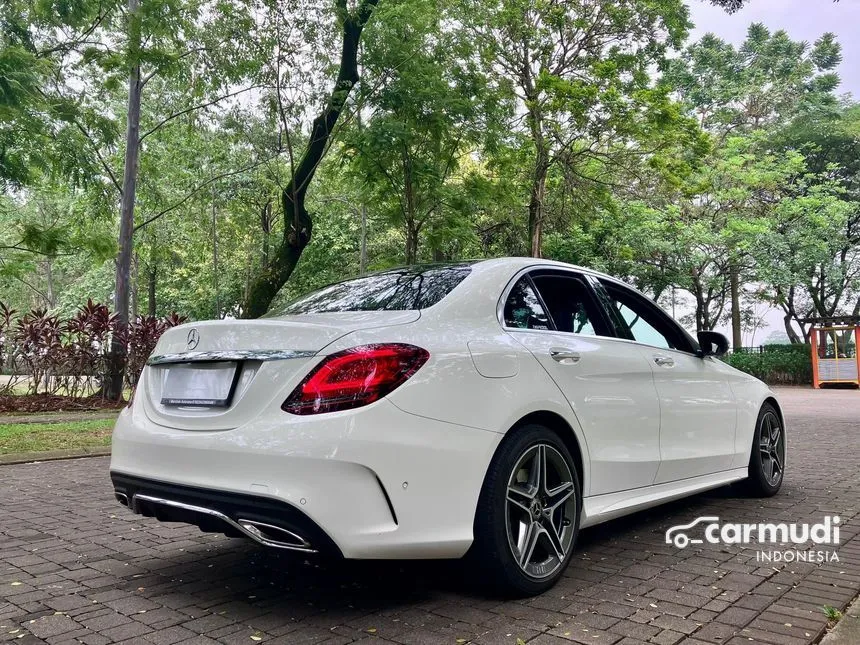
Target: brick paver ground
(77,567)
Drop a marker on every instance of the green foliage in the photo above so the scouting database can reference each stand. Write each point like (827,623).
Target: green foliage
(478,127)
(759,84)
(832,614)
(776,364)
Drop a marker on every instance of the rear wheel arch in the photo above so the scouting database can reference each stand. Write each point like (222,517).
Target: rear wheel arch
(559,425)
(499,558)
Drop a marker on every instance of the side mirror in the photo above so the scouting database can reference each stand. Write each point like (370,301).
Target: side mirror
(713,343)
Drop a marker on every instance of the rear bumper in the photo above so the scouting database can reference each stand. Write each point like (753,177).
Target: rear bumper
(267,521)
(375,482)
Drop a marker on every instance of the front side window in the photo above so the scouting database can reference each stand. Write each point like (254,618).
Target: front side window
(641,330)
(644,321)
(523,308)
(395,290)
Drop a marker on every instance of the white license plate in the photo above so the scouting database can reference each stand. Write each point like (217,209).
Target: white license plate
(205,384)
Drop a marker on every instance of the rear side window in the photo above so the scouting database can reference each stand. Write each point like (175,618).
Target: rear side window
(523,309)
(394,290)
(570,304)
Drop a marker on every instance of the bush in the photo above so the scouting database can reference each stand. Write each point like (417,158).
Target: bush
(72,356)
(776,364)
(143,334)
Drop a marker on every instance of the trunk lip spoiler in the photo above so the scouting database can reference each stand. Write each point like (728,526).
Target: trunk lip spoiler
(262,355)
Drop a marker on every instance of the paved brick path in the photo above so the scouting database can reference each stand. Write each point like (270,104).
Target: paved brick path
(77,567)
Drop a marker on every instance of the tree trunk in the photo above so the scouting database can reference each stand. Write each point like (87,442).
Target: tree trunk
(793,338)
(787,304)
(536,209)
(151,279)
(49,282)
(411,243)
(135,268)
(113,388)
(538,189)
(298,223)
(266,225)
(734,288)
(273,276)
(362,256)
(701,307)
(215,257)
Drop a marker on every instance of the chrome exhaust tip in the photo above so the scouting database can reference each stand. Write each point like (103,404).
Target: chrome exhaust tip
(122,498)
(271,535)
(262,533)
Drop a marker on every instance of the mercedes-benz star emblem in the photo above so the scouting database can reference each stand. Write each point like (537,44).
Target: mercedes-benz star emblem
(193,338)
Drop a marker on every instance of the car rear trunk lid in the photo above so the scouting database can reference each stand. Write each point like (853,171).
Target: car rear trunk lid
(217,375)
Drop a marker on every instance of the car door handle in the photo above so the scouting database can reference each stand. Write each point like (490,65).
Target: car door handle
(564,356)
(664,361)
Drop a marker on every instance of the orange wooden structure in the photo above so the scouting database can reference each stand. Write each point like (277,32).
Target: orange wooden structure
(835,358)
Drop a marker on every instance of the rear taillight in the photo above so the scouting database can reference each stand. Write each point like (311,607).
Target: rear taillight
(355,377)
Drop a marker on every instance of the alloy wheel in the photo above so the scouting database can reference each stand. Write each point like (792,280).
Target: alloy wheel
(772,448)
(540,510)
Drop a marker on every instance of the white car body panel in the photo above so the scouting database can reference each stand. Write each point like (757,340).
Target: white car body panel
(400,477)
(621,425)
(697,416)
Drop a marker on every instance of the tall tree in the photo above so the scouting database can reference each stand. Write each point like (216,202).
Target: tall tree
(811,262)
(731,6)
(425,111)
(760,85)
(298,223)
(581,73)
(177,61)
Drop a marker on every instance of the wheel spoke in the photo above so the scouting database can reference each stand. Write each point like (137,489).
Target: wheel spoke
(559,495)
(539,468)
(532,535)
(520,498)
(522,535)
(776,460)
(554,540)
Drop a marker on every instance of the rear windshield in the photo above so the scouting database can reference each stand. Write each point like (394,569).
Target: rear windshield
(395,290)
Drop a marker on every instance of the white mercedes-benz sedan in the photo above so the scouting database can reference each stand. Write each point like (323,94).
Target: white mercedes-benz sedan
(485,409)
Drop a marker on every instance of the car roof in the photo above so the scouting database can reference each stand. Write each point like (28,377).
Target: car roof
(517,263)
(512,264)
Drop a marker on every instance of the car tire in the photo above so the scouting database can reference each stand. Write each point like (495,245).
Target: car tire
(767,458)
(517,510)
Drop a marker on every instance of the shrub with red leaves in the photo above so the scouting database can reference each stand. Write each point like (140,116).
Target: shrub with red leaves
(7,346)
(88,335)
(71,357)
(39,348)
(143,334)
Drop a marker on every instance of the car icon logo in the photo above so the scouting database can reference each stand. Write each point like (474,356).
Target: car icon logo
(193,338)
(677,534)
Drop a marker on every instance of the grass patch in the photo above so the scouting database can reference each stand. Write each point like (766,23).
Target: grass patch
(38,437)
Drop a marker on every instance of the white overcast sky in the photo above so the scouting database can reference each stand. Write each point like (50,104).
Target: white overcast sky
(801,19)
